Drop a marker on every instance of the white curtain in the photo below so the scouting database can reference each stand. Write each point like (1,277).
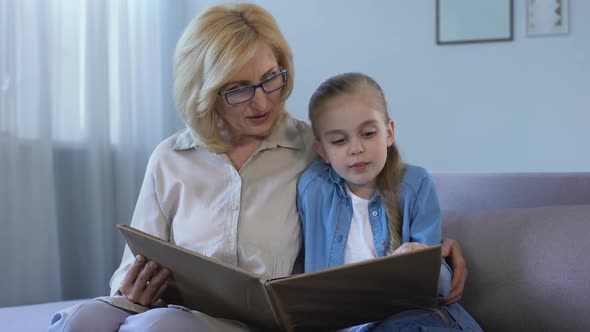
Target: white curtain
(85,96)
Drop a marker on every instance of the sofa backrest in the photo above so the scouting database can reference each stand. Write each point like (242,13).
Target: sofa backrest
(492,191)
(525,238)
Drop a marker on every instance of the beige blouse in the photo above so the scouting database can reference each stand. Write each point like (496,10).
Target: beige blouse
(198,200)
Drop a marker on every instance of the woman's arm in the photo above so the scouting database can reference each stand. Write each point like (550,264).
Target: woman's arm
(139,280)
(452,249)
(427,227)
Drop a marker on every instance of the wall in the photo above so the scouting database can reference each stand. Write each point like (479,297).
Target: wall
(517,106)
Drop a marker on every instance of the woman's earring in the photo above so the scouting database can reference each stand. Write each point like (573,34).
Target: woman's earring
(223,132)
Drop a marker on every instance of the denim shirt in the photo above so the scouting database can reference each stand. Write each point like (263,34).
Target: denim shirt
(325,210)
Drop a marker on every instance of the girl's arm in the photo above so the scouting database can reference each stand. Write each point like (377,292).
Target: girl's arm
(444,280)
(426,227)
(425,218)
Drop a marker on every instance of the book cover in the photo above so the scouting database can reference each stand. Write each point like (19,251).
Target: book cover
(333,298)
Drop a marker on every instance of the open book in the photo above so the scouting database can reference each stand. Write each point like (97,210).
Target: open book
(333,298)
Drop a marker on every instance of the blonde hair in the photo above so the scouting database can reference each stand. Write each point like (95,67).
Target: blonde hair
(389,179)
(215,45)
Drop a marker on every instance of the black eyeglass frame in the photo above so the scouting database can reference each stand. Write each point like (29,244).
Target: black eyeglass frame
(255,87)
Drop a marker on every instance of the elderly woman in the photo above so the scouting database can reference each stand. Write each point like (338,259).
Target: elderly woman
(225,186)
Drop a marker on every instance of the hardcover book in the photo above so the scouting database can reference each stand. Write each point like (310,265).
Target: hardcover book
(333,298)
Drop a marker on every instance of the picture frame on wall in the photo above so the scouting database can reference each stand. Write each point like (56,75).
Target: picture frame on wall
(474,21)
(547,17)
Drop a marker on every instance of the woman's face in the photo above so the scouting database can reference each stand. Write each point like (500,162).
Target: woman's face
(254,118)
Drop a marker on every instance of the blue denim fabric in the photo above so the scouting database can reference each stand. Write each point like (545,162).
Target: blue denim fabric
(410,321)
(418,321)
(325,211)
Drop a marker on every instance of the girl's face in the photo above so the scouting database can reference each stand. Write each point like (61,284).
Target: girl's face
(353,136)
(256,117)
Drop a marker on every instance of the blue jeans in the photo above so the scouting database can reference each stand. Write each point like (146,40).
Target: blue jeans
(418,320)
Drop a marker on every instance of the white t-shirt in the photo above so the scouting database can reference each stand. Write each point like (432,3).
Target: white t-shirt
(360,245)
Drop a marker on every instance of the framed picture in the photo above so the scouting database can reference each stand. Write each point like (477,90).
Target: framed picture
(546,17)
(473,21)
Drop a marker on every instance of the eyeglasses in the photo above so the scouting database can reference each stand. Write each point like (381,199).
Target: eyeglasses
(244,94)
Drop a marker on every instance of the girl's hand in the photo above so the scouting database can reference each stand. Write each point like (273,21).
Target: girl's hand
(144,283)
(409,247)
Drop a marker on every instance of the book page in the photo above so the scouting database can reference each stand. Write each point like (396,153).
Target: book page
(362,292)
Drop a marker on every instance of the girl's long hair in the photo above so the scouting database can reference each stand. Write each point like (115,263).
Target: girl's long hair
(389,179)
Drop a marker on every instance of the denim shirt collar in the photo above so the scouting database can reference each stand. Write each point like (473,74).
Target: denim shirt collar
(339,182)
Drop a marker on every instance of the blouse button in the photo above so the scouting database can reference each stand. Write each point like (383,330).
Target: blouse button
(339,239)
(375,213)
(234,207)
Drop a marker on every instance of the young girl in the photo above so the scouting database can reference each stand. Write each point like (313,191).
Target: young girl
(362,202)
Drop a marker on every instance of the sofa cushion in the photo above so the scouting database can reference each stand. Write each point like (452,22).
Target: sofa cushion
(493,191)
(529,268)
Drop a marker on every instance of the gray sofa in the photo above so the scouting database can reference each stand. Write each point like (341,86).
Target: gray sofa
(525,236)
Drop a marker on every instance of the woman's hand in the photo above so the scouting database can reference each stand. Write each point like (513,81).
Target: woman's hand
(409,247)
(144,283)
(451,248)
